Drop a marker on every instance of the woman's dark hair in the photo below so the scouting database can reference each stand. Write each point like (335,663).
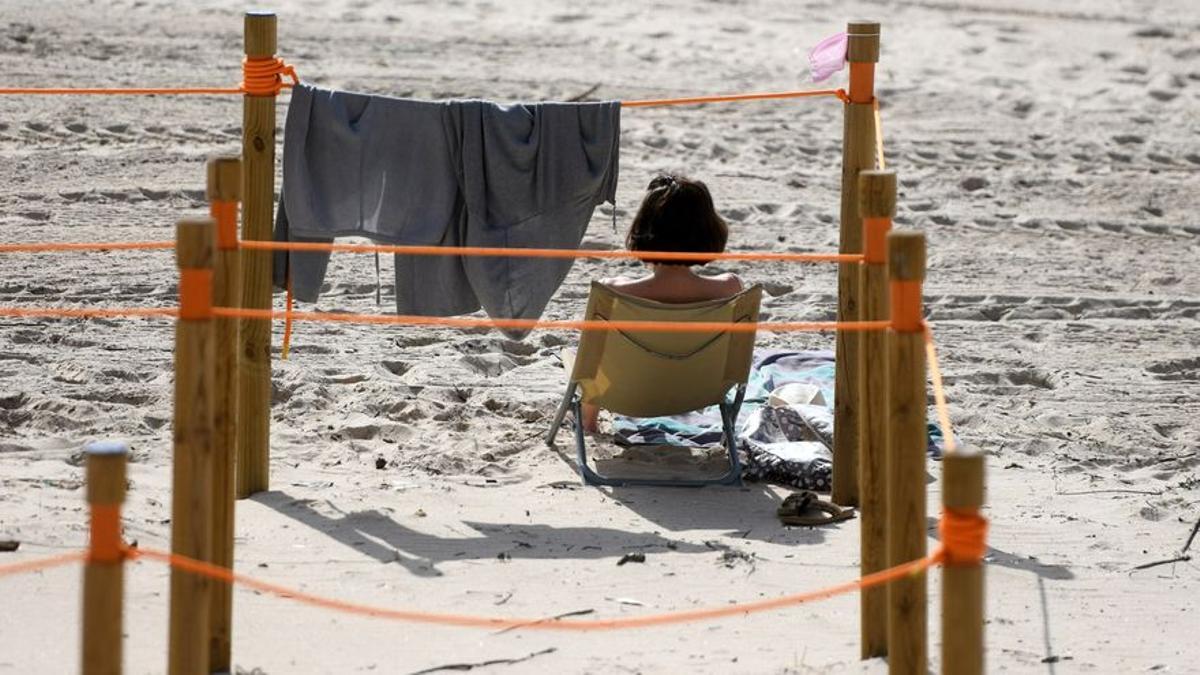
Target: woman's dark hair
(677,215)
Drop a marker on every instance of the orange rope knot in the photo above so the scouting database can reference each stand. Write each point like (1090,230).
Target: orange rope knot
(195,293)
(842,95)
(105,533)
(262,75)
(964,536)
(906,306)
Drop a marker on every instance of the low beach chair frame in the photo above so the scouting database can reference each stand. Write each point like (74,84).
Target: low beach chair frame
(736,361)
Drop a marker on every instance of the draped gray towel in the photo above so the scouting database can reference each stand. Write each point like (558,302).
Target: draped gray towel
(453,173)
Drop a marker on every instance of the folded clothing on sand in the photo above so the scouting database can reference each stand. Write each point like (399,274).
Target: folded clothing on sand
(784,441)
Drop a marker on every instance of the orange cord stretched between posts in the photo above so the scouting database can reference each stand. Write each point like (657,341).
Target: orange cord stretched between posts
(261,76)
(490,251)
(466,251)
(963,543)
(55,247)
(729,98)
(448,321)
(226,575)
(533,324)
(42,563)
(939,392)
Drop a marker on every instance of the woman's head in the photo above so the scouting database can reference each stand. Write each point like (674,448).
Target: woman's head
(677,215)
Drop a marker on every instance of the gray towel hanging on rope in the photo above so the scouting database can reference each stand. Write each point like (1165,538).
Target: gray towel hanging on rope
(456,173)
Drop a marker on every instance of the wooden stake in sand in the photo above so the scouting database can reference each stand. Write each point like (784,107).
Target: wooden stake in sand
(104,573)
(877,205)
(858,154)
(906,454)
(224,186)
(962,580)
(191,504)
(258,197)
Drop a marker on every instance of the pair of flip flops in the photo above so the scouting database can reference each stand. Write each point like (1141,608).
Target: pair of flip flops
(806,509)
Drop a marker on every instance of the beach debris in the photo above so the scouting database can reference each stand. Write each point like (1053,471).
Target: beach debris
(420,513)
(503,556)
(627,601)
(636,557)
(9,545)
(380,463)
(733,557)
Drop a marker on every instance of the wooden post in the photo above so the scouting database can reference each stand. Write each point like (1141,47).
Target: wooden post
(104,572)
(877,205)
(907,633)
(963,579)
(191,504)
(858,154)
(224,186)
(258,199)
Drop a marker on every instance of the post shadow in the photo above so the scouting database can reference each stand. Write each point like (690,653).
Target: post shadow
(377,535)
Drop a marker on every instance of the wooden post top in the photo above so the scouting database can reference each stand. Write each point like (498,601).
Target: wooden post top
(862,41)
(194,242)
(106,472)
(963,483)
(877,194)
(906,255)
(224,179)
(259,29)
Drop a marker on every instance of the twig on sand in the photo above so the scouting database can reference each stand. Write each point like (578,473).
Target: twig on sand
(579,97)
(484,664)
(556,617)
(1156,563)
(1122,490)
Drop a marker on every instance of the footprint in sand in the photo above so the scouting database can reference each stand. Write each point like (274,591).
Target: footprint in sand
(1176,370)
(396,368)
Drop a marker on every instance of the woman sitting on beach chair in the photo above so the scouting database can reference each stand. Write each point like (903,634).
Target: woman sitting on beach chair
(676,215)
(653,372)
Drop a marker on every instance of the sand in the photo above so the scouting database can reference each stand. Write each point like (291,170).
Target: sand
(1049,150)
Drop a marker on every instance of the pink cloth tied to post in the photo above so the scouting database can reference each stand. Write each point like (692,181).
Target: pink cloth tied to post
(827,57)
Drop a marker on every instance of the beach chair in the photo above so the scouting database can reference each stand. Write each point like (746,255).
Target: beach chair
(653,373)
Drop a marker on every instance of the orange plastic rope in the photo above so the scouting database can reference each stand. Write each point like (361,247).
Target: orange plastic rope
(532,324)
(195,293)
(105,531)
(486,251)
(662,102)
(51,247)
(121,91)
(462,620)
(939,392)
(875,231)
(906,306)
(261,76)
(42,563)
(88,312)
(465,251)
(964,536)
(450,321)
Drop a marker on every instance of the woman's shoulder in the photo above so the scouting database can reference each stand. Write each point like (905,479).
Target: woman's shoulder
(620,282)
(728,282)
